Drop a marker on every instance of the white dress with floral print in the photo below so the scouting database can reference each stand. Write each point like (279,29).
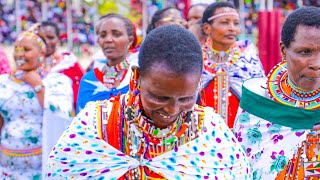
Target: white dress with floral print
(25,122)
(269,146)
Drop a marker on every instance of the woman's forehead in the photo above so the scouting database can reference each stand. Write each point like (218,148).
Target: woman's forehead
(224,10)
(172,12)
(115,21)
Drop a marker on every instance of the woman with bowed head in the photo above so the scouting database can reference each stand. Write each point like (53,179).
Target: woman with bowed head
(277,114)
(227,62)
(61,62)
(116,35)
(155,131)
(34,107)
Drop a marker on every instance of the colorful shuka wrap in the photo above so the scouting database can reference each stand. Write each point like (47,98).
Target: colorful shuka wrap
(30,131)
(112,139)
(92,87)
(243,64)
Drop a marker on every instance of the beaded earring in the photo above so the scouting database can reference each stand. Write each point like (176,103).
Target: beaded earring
(40,59)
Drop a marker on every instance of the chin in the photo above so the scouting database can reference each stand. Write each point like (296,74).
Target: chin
(310,88)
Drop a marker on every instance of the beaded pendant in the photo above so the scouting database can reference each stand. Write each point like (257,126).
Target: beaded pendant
(211,66)
(111,73)
(282,89)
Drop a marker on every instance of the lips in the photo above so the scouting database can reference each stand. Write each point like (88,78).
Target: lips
(167,118)
(312,78)
(109,49)
(231,36)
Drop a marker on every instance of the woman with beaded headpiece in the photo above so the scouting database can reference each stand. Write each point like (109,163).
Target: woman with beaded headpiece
(277,113)
(227,62)
(155,131)
(61,62)
(116,35)
(35,106)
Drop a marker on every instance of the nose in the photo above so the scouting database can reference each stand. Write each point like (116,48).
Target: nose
(109,38)
(315,64)
(172,109)
(232,27)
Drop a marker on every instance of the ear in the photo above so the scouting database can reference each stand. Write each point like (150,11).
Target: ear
(207,28)
(157,24)
(283,49)
(43,53)
(131,39)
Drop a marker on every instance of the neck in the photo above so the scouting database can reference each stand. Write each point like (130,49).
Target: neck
(219,47)
(114,62)
(48,55)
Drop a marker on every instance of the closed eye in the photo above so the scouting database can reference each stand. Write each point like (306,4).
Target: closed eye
(158,98)
(186,99)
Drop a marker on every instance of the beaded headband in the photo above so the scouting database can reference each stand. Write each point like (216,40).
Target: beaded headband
(32,32)
(222,14)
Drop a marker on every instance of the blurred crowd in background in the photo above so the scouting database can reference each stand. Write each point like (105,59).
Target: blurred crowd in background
(83,14)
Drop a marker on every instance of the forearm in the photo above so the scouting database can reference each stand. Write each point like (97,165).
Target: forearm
(1,122)
(40,96)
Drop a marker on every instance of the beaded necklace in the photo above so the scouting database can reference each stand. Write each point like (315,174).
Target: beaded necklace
(142,140)
(220,73)
(282,89)
(211,66)
(112,73)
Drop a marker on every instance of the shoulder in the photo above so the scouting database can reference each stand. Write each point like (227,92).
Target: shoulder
(4,77)
(57,78)
(69,56)
(256,86)
(246,46)
(90,74)
(208,116)
(133,59)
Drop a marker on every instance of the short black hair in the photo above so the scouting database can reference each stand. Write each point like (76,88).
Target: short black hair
(306,16)
(157,16)
(51,24)
(131,31)
(173,46)
(211,9)
(127,22)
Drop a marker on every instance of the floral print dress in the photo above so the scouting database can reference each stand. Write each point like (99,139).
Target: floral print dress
(21,143)
(269,144)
